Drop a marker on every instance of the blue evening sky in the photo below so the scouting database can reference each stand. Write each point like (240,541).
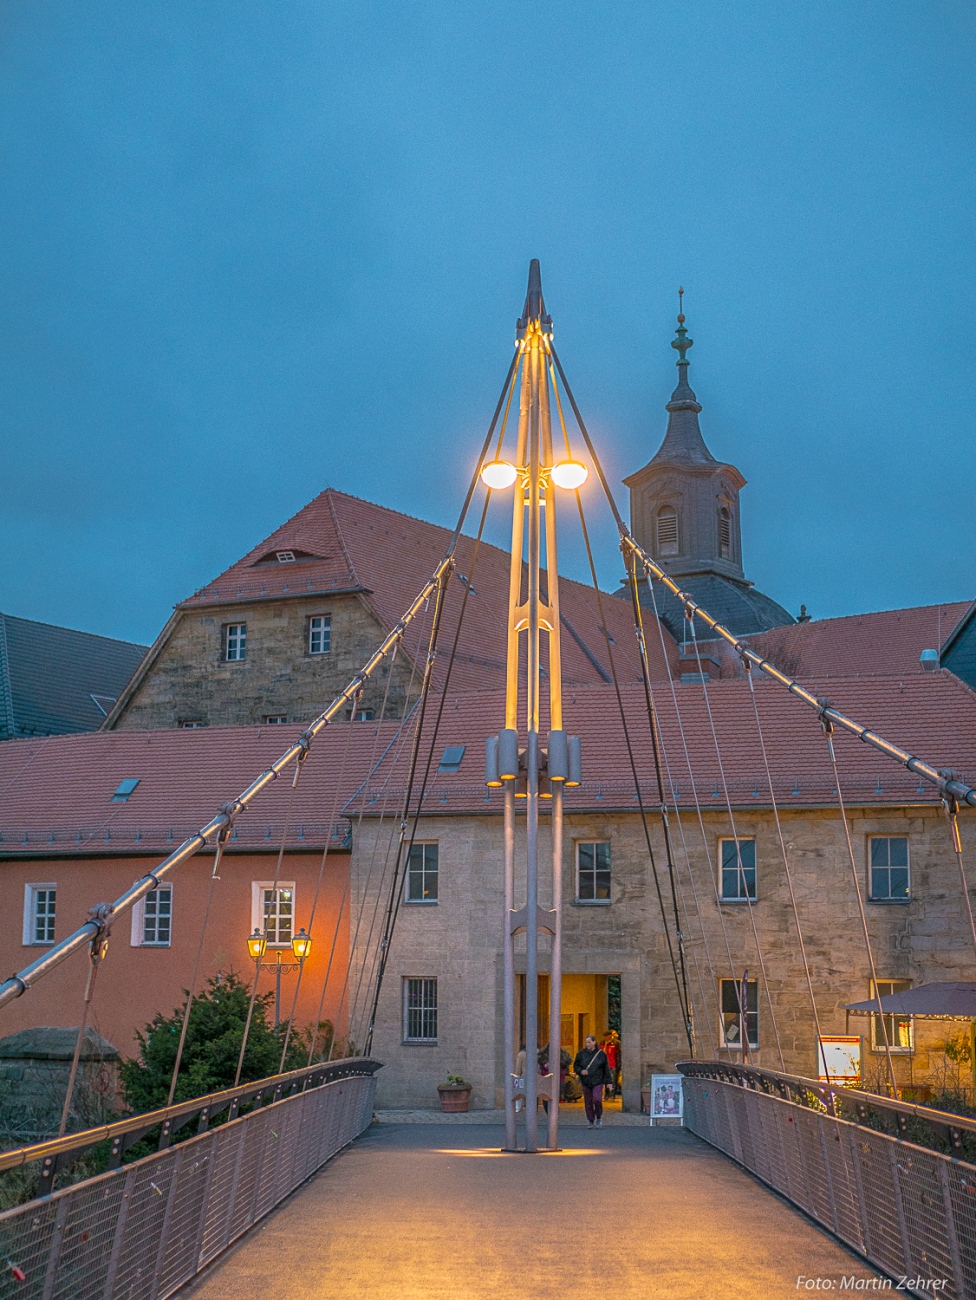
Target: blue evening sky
(251,249)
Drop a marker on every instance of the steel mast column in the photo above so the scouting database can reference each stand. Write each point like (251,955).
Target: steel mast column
(532,533)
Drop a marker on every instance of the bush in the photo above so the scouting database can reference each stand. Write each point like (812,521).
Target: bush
(213,1044)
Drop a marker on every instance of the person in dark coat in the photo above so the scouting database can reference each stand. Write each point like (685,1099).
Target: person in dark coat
(593,1071)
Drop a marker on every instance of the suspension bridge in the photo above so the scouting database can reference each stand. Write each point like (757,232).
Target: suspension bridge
(871,1187)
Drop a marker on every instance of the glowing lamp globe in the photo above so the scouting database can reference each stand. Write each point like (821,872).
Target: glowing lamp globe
(569,474)
(498,474)
(301,944)
(256,944)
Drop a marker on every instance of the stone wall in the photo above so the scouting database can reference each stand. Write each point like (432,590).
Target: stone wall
(190,681)
(34,1069)
(459,942)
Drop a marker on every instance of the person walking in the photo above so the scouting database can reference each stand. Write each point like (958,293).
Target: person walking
(593,1071)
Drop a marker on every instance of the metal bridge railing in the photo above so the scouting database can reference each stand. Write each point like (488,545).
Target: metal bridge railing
(140,1231)
(907,1208)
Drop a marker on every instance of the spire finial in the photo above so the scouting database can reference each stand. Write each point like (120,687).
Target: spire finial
(682,342)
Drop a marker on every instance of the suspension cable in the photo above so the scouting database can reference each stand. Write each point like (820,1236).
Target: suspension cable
(96,954)
(740,870)
(828,731)
(951,806)
(948,785)
(275,903)
(789,874)
(214,877)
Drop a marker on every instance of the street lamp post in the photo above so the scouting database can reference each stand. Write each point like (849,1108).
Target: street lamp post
(301,946)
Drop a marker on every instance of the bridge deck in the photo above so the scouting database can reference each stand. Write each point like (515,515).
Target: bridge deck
(435,1212)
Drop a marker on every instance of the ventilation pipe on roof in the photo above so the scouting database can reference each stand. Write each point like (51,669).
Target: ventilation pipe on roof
(929,659)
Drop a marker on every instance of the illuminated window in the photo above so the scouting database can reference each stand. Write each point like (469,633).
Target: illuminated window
(420,1010)
(738,870)
(667,531)
(320,634)
(899,1029)
(889,868)
(273,910)
(725,533)
(731,1026)
(593,872)
(422,874)
(40,904)
(235,642)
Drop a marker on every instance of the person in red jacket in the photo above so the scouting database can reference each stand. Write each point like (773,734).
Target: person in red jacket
(612,1052)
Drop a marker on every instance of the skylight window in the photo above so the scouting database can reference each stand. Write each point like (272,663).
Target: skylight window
(451,760)
(125,788)
(286,557)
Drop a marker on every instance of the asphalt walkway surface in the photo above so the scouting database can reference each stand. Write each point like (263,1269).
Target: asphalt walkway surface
(438,1212)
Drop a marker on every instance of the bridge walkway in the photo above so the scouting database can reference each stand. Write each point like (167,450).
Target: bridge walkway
(437,1212)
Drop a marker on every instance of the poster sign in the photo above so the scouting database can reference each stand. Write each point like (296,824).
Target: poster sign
(839,1059)
(667,1100)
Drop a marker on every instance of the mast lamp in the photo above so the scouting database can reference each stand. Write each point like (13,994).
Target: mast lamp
(257,944)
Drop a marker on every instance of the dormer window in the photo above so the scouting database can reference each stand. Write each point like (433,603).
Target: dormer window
(286,557)
(667,531)
(725,533)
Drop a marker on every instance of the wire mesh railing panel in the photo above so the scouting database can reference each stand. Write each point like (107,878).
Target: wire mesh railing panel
(142,1231)
(909,1210)
(181,1247)
(226,1152)
(923,1208)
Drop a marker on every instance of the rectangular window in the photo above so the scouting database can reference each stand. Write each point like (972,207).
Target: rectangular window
(273,910)
(320,634)
(593,872)
(422,874)
(889,868)
(738,870)
(361,715)
(276,719)
(40,903)
(235,642)
(899,1029)
(152,919)
(731,1026)
(420,1010)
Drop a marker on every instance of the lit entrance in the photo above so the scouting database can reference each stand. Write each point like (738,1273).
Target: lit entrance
(590,1005)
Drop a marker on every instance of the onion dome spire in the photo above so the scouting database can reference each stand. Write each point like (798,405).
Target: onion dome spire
(683,440)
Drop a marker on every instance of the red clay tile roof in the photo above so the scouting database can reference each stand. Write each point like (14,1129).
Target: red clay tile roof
(933,716)
(389,556)
(56,792)
(886,643)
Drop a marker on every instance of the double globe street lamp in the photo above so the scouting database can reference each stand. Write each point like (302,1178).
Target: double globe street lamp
(301,946)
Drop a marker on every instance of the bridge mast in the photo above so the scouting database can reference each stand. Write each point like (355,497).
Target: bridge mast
(535,772)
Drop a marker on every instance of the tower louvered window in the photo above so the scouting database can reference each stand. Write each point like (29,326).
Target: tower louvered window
(667,532)
(725,533)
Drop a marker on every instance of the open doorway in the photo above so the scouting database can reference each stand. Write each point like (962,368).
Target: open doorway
(590,1005)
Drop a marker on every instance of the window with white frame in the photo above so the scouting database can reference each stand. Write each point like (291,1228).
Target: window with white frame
(593,871)
(40,905)
(235,642)
(419,1010)
(320,634)
(276,719)
(273,911)
(738,867)
(731,1027)
(889,868)
(899,1030)
(152,919)
(422,867)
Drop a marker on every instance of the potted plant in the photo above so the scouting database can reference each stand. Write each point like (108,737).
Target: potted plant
(455,1094)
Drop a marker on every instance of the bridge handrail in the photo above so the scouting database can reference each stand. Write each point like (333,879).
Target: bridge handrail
(122,1133)
(849,1104)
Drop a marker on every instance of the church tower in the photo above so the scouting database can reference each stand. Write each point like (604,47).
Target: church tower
(684,511)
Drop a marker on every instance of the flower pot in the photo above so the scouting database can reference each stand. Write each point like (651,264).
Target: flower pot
(454,1097)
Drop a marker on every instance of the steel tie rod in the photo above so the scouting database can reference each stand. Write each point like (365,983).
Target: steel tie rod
(949,785)
(19,983)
